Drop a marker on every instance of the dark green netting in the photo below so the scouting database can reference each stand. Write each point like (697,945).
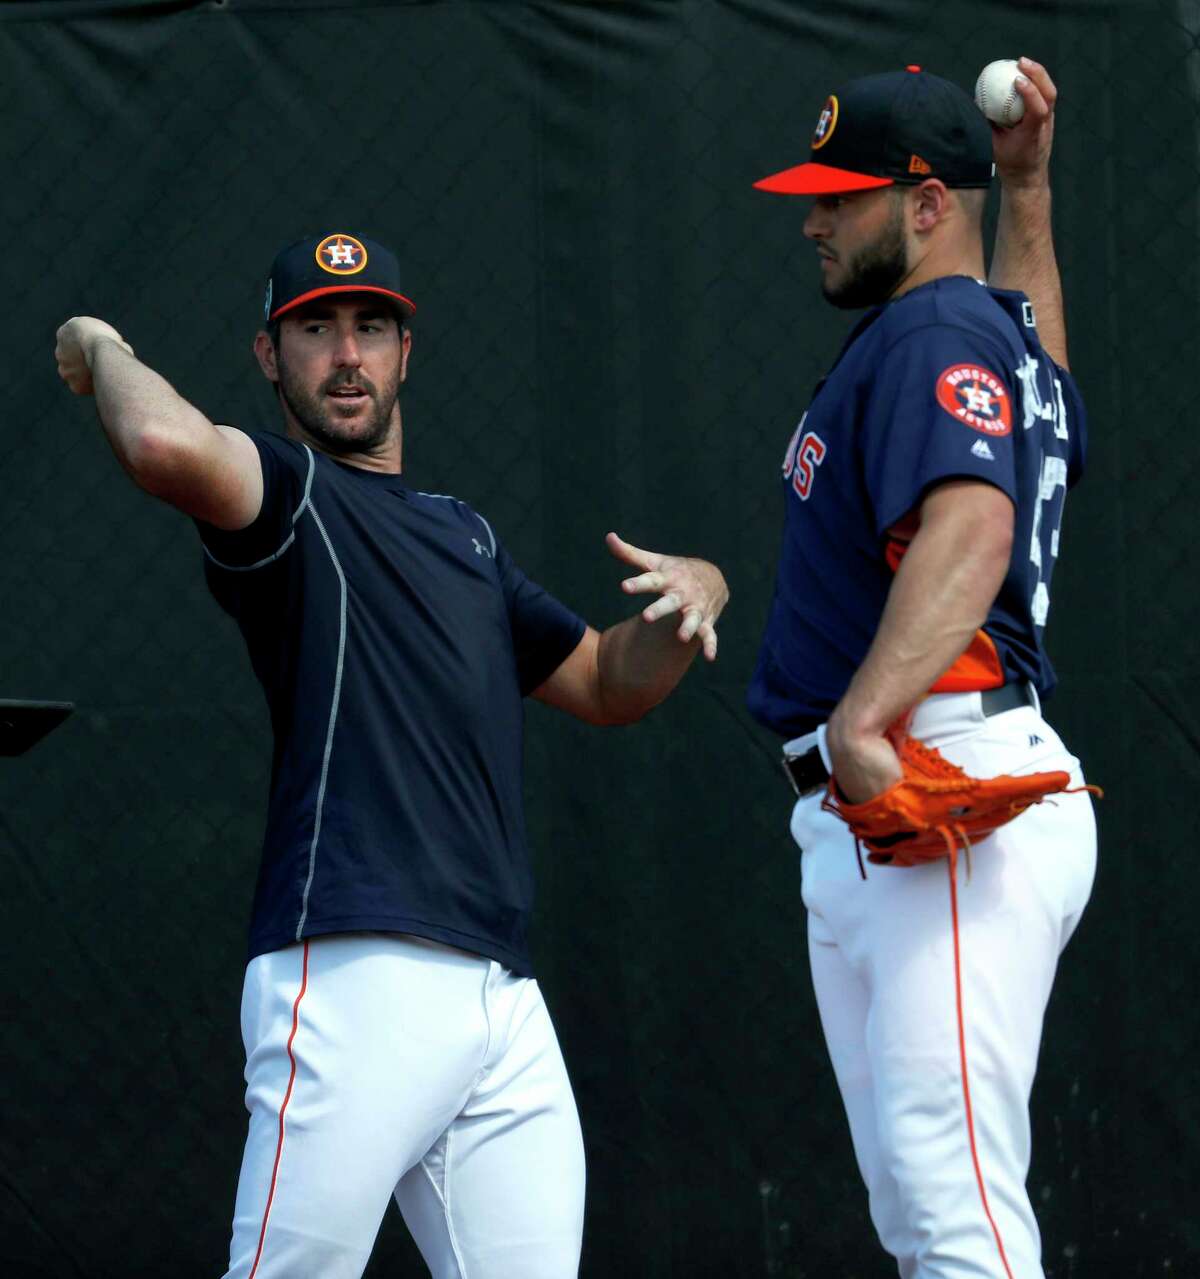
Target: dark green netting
(615,331)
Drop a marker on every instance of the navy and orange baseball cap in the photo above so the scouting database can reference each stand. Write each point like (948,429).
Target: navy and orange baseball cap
(339,263)
(896,127)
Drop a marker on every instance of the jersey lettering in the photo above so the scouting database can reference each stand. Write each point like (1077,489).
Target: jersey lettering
(1060,422)
(1039,408)
(1047,520)
(809,455)
(1044,408)
(789,458)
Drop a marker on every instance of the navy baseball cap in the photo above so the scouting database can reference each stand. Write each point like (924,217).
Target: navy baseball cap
(318,266)
(896,127)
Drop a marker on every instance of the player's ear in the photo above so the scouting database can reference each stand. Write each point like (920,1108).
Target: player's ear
(264,352)
(930,201)
(405,349)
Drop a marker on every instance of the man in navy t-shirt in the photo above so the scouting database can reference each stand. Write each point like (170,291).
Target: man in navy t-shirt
(924,489)
(396,1042)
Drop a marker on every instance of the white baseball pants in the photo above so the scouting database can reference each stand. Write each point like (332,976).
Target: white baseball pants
(380,1065)
(882,954)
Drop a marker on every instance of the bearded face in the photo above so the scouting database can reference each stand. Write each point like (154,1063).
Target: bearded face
(339,365)
(867,272)
(346,412)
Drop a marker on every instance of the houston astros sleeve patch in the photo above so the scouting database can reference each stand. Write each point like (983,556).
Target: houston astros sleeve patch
(975,396)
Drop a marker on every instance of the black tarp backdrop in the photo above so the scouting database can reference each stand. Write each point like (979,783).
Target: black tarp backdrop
(614,331)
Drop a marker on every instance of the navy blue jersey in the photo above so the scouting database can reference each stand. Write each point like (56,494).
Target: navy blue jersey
(394,638)
(947,381)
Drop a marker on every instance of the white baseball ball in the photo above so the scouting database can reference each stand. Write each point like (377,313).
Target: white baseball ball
(996,93)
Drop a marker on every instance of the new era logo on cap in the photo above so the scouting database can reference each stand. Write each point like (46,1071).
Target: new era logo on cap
(335,263)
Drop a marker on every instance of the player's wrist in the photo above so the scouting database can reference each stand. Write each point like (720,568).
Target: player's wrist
(1025,184)
(850,729)
(92,335)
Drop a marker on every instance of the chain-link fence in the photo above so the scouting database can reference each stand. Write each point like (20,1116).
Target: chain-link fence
(614,331)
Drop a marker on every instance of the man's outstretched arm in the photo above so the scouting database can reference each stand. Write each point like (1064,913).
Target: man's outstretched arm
(1023,258)
(167,445)
(616,676)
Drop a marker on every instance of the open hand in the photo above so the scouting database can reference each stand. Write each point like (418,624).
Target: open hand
(73,350)
(1022,153)
(695,588)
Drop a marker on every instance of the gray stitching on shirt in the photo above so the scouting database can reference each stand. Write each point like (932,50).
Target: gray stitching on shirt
(333,713)
(491,535)
(291,537)
(447,497)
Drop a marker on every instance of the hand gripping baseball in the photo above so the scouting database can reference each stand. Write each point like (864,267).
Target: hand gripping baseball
(73,348)
(695,588)
(1022,153)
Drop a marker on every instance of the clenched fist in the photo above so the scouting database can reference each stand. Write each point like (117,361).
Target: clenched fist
(73,348)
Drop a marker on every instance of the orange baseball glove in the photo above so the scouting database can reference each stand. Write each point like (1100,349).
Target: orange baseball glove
(936,808)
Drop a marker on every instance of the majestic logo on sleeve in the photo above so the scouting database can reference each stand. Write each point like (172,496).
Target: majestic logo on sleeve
(976,397)
(826,123)
(341,255)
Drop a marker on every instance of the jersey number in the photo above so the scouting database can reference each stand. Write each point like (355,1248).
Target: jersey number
(801,462)
(1052,489)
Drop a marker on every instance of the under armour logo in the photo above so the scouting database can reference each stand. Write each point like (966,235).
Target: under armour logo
(480,549)
(1034,740)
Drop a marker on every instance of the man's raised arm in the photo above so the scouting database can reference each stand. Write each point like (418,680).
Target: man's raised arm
(1023,258)
(168,446)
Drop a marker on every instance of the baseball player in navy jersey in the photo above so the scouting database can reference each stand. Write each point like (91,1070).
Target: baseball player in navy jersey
(396,1042)
(924,491)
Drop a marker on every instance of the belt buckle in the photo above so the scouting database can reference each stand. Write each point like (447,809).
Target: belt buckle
(808,790)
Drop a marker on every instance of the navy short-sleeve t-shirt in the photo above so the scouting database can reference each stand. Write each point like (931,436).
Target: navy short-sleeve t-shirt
(394,638)
(947,382)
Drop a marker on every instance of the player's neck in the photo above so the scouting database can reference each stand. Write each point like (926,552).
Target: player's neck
(940,261)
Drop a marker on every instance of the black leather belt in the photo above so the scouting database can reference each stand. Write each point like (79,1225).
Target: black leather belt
(808,773)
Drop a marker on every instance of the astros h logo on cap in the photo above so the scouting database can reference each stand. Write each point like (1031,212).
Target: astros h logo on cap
(341,255)
(302,273)
(826,122)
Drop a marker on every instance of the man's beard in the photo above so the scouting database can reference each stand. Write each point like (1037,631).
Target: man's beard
(319,416)
(872,274)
